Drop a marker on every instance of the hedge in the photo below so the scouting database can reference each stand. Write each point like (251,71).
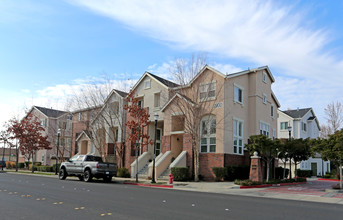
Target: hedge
(44,168)
(304,173)
(123,172)
(220,172)
(237,172)
(180,173)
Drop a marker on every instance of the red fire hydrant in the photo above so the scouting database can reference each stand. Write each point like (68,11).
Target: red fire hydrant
(171,178)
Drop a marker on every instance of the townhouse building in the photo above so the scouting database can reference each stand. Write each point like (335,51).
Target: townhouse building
(152,92)
(52,121)
(302,123)
(234,107)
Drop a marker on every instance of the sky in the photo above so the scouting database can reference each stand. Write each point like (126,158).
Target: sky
(50,49)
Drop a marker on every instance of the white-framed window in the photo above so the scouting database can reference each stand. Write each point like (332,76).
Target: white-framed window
(283,125)
(303,126)
(238,128)
(207,91)
(264,98)
(264,77)
(80,116)
(43,123)
(208,134)
(158,141)
(141,103)
(272,111)
(238,94)
(264,128)
(157,98)
(274,133)
(147,84)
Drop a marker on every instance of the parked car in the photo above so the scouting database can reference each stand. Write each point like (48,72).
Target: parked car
(85,167)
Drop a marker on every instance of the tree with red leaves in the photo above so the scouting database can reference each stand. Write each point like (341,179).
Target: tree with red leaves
(137,124)
(29,133)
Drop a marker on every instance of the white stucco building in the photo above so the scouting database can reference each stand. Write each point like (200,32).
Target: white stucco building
(304,124)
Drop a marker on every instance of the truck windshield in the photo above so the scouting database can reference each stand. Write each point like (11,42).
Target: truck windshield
(94,158)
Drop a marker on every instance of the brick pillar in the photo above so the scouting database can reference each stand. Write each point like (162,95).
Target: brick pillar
(256,168)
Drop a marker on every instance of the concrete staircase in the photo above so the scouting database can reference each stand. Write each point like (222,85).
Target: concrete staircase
(165,174)
(143,173)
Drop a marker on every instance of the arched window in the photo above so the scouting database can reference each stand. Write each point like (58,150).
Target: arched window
(208,134)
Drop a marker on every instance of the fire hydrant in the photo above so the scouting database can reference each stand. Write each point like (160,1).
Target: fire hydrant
(171,178)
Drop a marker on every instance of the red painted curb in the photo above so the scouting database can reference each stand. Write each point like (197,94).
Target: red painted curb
(150,185)
(269,185)
(328,180)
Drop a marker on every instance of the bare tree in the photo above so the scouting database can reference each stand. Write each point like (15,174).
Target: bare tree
(184,70)
(334,116)
(107,115)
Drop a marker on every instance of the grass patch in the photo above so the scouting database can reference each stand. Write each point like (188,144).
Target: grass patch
(30,172)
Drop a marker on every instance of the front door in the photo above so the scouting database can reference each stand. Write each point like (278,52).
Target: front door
(314,169)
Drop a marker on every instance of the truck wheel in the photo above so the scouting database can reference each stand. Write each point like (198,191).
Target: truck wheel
(62,175)
(87,176)
(107,179)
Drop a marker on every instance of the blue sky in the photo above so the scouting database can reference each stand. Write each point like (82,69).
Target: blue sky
(49,48)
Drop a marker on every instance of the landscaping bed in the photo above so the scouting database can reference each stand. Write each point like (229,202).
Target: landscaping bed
(245,184)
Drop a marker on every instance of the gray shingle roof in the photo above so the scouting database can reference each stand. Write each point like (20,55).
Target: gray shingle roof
(123,94)
(164,81)
(297,113)
(51,112)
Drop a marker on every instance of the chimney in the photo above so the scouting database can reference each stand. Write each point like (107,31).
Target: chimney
(298,109)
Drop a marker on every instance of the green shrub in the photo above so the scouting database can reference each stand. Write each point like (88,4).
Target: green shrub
(21,165)
(327,176)
(237,172)
(279,172)
(44,168)
(180,173)
(246,182)
(304,173)
(123,172)
(220,172)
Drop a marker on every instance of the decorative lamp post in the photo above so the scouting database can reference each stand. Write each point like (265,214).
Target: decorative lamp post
(290,162)
(153,162)
(57,148)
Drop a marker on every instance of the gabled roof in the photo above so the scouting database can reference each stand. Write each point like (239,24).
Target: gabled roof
(206,67)
(121,93)
(49,112)
(118,92)
(179,96)
(84,132)
(297,113)
(266,68)
(163,82)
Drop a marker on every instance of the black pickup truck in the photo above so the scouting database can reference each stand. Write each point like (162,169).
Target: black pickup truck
(85,167)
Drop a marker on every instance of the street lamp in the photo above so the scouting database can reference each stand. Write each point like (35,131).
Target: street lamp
(290,162)
(153,162)
(57,148)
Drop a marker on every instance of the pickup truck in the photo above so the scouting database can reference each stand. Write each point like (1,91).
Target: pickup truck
(85,167)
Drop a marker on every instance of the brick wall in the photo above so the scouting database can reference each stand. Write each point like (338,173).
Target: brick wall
(207,161)
(234,159)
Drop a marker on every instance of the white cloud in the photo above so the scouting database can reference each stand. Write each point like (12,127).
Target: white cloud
(258,32)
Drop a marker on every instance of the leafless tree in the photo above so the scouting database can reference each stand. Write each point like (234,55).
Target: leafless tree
(106,115)
(334,117)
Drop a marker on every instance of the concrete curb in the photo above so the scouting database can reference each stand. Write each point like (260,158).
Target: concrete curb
(149,185)
(333,180)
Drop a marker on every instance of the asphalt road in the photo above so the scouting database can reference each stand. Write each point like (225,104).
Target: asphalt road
(34,197)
